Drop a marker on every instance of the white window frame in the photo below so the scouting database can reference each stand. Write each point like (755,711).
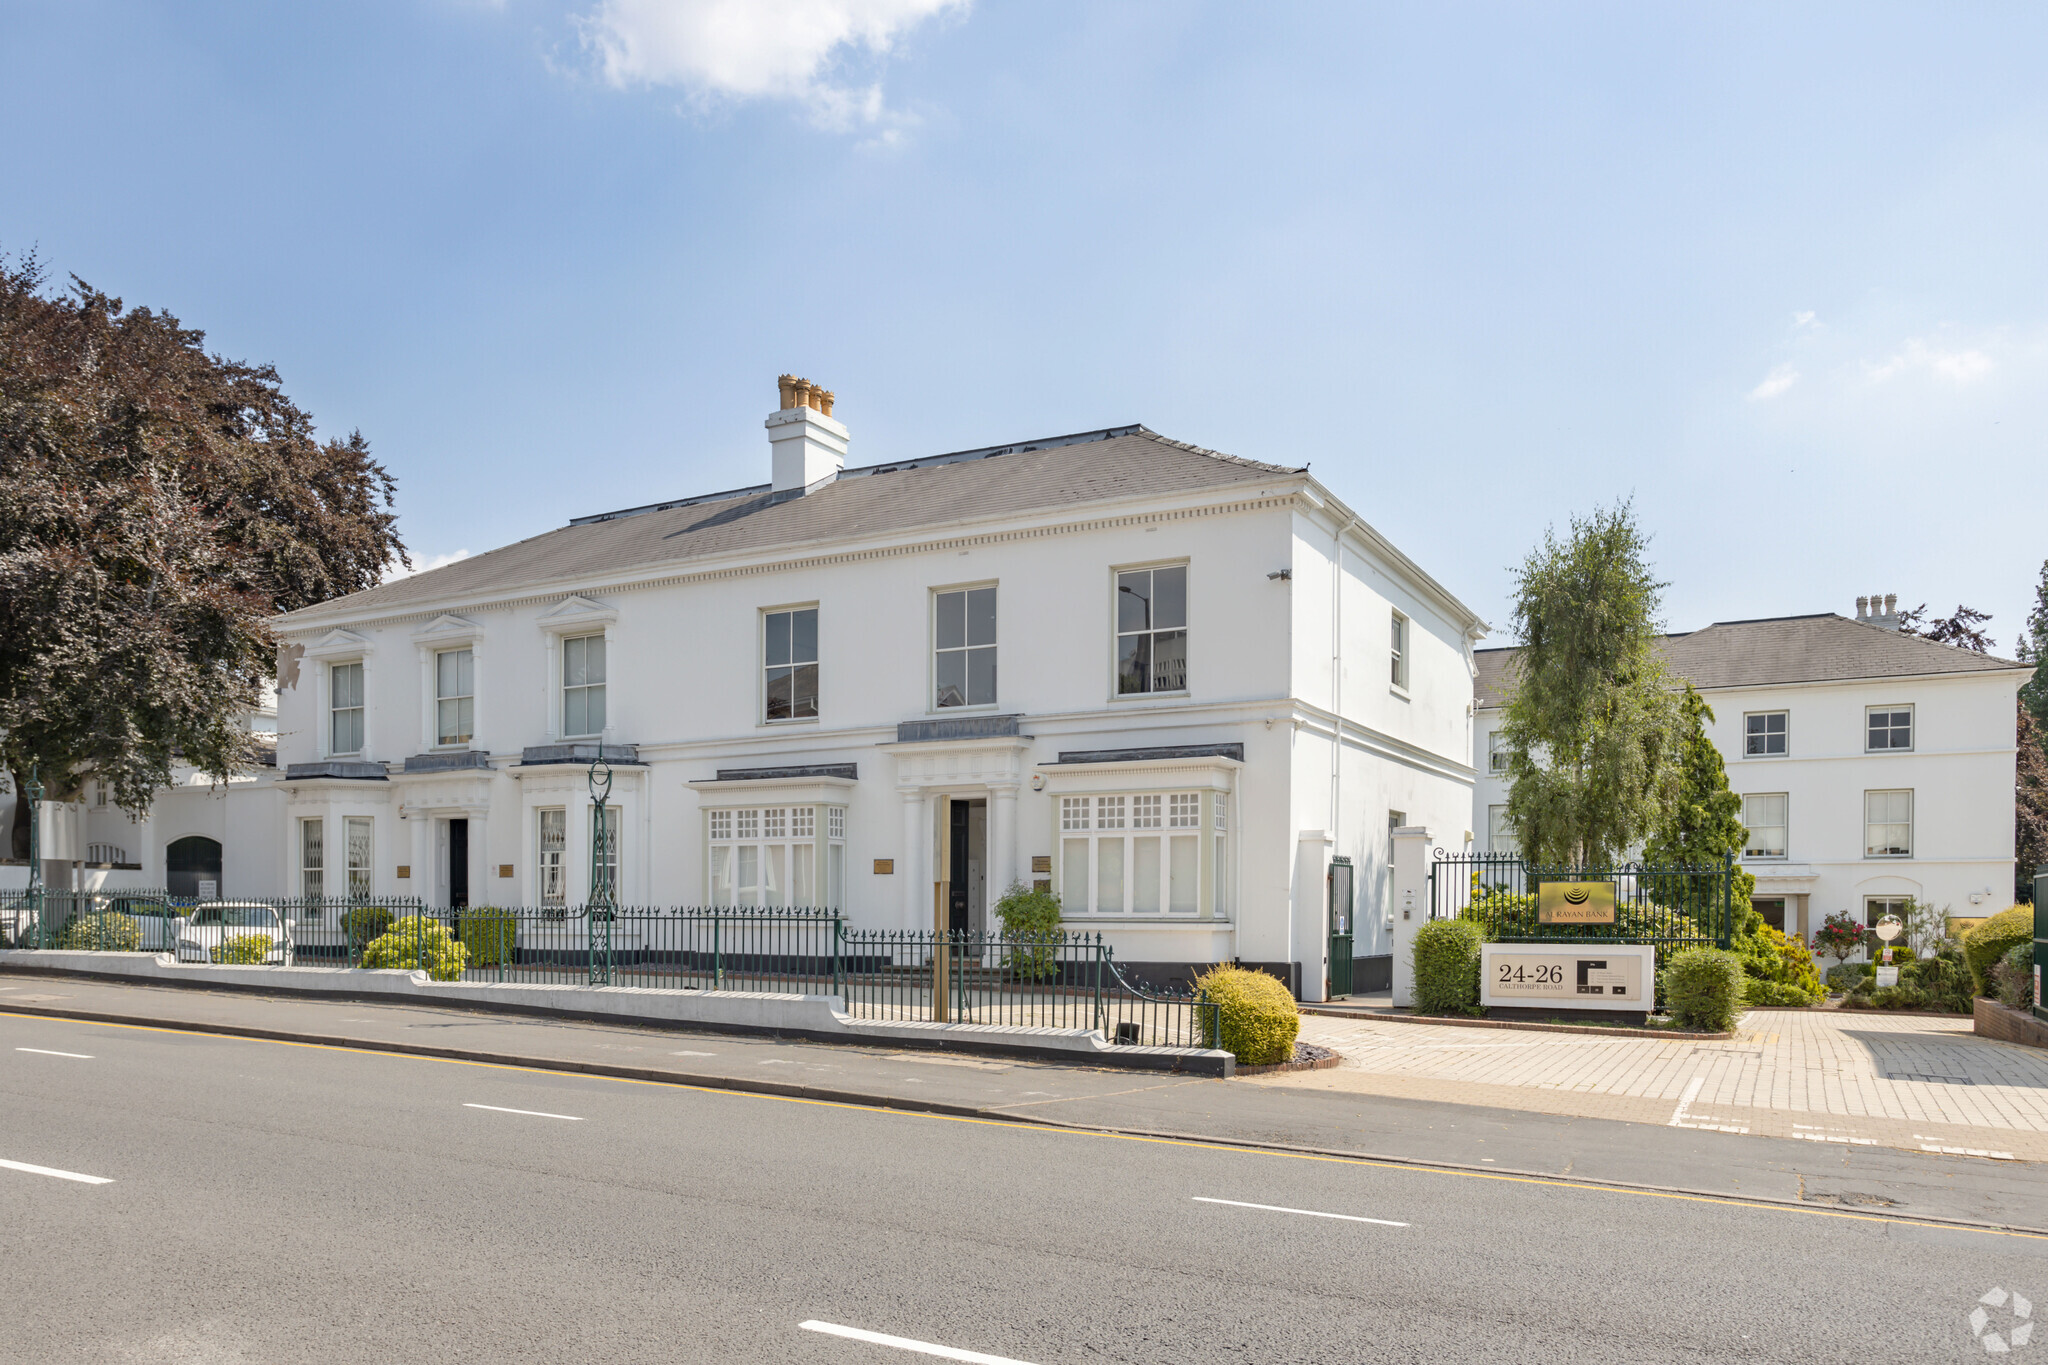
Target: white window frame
(1117,634)
(361,708)
(744,842)
(967,649)
(1912,728)
(1784,735)
(1401,632)
(359,861)
(1783,826)
(1497,751)
(551,865)
(312,860)
(1500,836)
(1888,822)
(1102,837)
(563,686)
(439,699)
(761,664)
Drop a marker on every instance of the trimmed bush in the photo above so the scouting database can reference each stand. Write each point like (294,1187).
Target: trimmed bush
(1258,1020)
(1774,995)
(2013,977)
(417,943)
(487,935)
(243,950)
(366,922)
(1447,967)
(1703,988)
(1781,970)
(1943,979)
(102,933)
(1031,918)
(1993,939)
(1843,976)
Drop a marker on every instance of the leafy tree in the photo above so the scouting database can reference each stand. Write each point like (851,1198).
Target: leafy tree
(157,505)
(1591,720)
(2030,803)
(1960,630)
(1704,823)
(2033,649)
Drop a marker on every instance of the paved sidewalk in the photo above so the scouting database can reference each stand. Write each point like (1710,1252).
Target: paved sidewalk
(1918,1082)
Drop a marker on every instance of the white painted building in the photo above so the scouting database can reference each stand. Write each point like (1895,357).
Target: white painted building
(1173,685)
(200,837)
(1873,765)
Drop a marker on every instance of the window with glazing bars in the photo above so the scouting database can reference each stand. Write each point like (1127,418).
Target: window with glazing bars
(1765,733)
(358,829)
(312,858)
(345,703)
(583,677)
(790,656)
(964,655)
(1889,728)
(771,856)
(454,696)
(1152,630)
(1134,854)
(554,838)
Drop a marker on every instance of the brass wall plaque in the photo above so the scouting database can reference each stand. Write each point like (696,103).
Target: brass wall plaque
(885,867)
(404,871)
(504,869)
(1042,884)
(1575,903)
(1041,862)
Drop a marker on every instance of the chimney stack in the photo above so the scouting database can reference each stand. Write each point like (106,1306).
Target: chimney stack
(1879,609)
(807,445)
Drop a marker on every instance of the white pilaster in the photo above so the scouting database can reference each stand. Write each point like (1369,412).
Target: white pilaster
(911,879)
(1002,843)
(1411,905)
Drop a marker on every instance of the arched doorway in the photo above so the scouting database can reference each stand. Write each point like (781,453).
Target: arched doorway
(192,867)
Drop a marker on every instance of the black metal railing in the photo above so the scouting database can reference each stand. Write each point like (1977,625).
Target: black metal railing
(1057,980)
(1670,906)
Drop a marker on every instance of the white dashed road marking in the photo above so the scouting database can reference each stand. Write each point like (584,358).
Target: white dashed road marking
(1306,1213)
(530,1113)
(925,1348)
(52,1171)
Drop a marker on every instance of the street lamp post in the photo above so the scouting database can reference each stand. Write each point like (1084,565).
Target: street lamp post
(32,792)
(602,896)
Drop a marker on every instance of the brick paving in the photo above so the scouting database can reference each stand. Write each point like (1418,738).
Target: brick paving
(1920,1082)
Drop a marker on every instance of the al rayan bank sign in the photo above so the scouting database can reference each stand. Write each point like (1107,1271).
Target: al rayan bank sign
(1575,903)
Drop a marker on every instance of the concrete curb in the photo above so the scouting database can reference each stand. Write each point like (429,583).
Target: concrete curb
(783,1090)
(813,1018)
(1595,1030)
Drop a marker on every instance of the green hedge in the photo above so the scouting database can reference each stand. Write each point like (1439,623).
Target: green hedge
(1993,939)
(488,934)
(109,932)
(2014,977)
(1258,1020)
(1703,988)
(1446,955)
(417,943)
(243,950)
(366,922)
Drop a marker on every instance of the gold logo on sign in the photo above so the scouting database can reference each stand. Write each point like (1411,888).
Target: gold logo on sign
(1575,903)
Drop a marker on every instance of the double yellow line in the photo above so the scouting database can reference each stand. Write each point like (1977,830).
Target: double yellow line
(1767,1206)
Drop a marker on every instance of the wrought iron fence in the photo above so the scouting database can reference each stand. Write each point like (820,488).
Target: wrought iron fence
(1051,981)
(1670,906)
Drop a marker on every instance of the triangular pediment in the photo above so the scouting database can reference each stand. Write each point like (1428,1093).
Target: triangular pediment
(447,624)
(339,639)
(577,607)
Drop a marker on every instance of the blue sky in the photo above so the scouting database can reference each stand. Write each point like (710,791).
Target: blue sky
(1776,271)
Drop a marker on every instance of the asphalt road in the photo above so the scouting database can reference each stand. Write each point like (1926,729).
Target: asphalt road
(271,1202)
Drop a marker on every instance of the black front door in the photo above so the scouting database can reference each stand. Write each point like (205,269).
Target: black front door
(956,889)
(192,867)
(458,862)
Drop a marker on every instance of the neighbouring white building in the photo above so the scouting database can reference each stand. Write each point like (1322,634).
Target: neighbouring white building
(1873,765)
(200,837)
(1191,693)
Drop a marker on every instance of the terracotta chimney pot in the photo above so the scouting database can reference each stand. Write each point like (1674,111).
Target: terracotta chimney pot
(786,386)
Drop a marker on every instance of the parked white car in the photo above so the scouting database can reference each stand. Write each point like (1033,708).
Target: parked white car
(202,935)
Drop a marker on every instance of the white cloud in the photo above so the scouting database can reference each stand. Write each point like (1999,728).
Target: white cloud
(1956,366)
(720,50)
(1775,383)
(395,571)
(1803,321)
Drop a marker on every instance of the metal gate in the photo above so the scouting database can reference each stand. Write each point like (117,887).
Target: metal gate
(1670,906)
(1339,984)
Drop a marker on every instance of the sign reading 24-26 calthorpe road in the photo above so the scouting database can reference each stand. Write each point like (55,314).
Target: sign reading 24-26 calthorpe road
(1575,903)
(1609,976)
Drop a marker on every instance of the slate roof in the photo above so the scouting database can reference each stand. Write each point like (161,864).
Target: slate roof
(1030,476)
(1783,649)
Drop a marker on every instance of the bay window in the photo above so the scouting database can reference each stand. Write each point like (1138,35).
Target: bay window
(1140,853)
(778,857)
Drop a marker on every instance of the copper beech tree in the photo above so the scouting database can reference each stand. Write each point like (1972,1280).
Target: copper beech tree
(157,505)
